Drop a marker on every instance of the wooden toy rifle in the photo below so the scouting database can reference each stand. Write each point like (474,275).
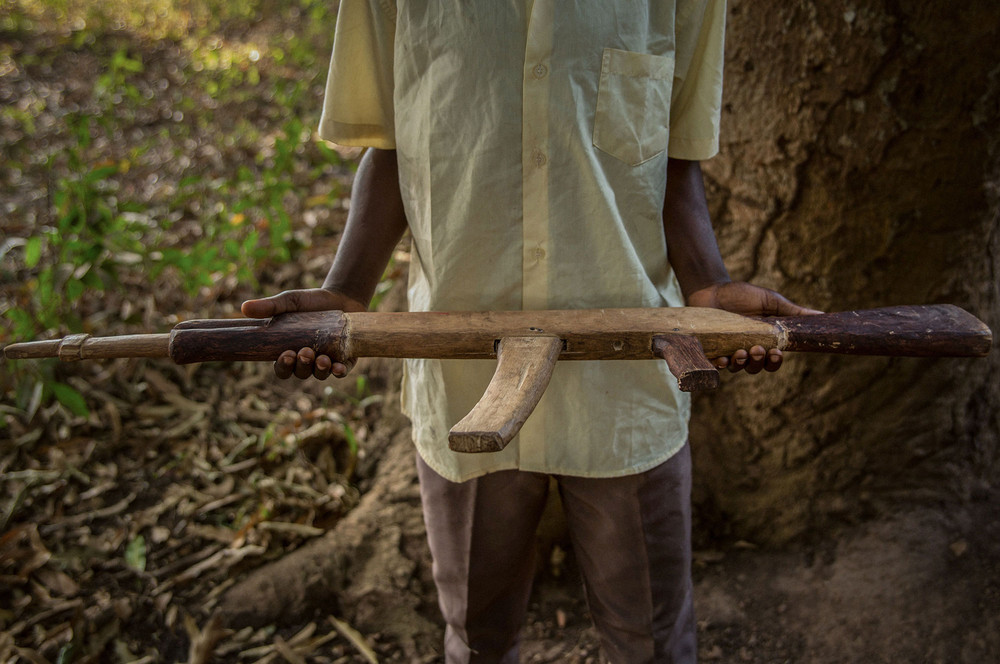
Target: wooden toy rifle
(527,344)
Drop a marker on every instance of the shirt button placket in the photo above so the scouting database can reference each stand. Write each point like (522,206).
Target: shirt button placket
(535,153)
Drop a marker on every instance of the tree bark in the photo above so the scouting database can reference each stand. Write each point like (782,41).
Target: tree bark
(859,168)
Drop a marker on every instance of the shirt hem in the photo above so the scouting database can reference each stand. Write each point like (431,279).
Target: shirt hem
(693,149)
(595,474)
(356,135)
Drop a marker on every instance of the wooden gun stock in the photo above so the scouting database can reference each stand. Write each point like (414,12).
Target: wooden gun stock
(527,345)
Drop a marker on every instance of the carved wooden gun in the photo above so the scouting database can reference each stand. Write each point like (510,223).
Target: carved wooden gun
(527,344)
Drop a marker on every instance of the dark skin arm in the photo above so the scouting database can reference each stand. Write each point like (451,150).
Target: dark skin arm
(694,255)
(375,224)
(377,221)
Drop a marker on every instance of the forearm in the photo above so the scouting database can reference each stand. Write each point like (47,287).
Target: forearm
(691,245)
(375,224)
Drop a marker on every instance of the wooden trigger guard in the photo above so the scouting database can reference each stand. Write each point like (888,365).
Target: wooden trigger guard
(524,367)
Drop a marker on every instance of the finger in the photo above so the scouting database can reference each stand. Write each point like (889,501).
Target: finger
(755,363)
(322,367)
(304,363)
(738,361)
(774,360)
(721,362)
(284,366)
(341,369)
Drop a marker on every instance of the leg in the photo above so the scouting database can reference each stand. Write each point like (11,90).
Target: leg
(482,537)
(632,538)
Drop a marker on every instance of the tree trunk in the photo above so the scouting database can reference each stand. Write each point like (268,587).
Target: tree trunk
(858,169)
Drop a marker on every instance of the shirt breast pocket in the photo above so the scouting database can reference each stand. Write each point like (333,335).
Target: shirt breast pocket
(632,119)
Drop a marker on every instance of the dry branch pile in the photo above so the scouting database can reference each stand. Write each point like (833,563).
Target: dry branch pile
(123,529)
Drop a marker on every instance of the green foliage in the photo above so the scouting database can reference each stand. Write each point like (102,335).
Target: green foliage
(100,229)
(93,232)
(352,439)
(114,81)
(70,398)
(39,385)
(135,553)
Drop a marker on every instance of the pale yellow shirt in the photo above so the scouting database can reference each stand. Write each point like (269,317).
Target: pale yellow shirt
(532,142)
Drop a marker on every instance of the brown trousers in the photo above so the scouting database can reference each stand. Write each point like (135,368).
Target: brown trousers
(631,537)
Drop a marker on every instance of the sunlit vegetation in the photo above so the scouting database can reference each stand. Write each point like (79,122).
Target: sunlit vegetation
(161,151)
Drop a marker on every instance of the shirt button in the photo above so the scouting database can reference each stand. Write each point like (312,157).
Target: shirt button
(540,71)
(539,158)
(539,253)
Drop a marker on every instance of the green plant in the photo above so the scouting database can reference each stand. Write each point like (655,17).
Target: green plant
(100,228)
(114,81)
(91,234)
(37,385)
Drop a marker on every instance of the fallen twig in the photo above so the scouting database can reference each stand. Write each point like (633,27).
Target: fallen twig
(356,639)
(77,519)
(293,528)
(223,559)
(203,641)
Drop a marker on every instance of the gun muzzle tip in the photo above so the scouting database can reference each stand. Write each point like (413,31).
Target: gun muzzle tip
(32,350)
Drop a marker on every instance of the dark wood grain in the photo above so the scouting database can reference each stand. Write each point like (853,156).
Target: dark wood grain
(939,330)
(258,340)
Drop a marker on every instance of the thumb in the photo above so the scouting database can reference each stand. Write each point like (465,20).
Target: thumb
(782,306)
(751,300)
(264,307)
(282,303)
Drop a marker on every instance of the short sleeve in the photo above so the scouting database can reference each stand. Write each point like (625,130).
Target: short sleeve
(358,105)
(696,101)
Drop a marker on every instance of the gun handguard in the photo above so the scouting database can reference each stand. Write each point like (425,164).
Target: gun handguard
(527,345)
